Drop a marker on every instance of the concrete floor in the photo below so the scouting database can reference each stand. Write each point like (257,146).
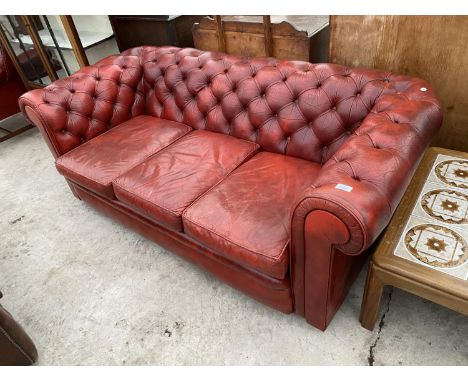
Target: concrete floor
(91,292)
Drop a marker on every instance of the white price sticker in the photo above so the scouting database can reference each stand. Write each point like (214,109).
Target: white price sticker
(343,187)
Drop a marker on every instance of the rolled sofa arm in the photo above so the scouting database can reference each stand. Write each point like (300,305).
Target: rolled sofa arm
(355,194)
(75,109)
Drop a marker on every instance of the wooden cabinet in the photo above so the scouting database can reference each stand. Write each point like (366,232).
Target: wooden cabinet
(131,31)
(292,37)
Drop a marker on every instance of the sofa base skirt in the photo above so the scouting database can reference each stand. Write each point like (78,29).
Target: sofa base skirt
(272,292)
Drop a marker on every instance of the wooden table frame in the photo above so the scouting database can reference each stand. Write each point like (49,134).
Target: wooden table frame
(387,269)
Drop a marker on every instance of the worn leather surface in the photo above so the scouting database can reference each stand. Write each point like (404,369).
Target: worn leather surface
(364,129)
(11,86)
(193,164)
(16,347)
(98,162)
(246,217)
(268,290)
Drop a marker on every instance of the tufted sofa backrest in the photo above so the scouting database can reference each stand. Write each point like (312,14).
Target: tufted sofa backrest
(290,107)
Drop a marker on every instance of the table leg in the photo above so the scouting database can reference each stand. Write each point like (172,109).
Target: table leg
(371,299)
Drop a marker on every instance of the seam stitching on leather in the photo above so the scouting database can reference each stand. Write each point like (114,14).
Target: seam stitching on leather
(274,259)
(145,201)
(48,131)
(357,218)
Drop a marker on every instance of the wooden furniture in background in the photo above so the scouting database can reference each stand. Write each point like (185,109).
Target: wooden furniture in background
(39,47)
(44,55)
(75,41)
(285,37)
(386,268)
(431,47)
(267,35)
(33,63)
(131,31)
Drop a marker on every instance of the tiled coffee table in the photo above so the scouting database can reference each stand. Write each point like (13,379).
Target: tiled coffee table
(424,250)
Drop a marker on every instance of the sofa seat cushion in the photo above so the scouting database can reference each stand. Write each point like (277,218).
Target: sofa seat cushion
(96,163)
(163,186)
(246,217)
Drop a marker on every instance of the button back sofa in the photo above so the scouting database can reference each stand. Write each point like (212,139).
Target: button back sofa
(272,175)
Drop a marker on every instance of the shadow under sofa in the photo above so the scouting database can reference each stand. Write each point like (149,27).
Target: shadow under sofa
(275,176)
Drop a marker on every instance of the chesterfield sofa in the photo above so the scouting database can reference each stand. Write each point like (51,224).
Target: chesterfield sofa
(275,176)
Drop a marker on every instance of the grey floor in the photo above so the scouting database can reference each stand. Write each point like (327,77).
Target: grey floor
(91,292)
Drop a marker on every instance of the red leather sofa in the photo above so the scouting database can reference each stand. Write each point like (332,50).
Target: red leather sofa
(11,86)
(272,175)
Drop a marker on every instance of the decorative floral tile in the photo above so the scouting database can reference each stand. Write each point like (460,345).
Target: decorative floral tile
(449,171)
(436,233)
(442,204)
(453,172)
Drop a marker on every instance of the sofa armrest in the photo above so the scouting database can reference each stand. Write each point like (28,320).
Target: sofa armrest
(364,181)
(355,194)
(76,109)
